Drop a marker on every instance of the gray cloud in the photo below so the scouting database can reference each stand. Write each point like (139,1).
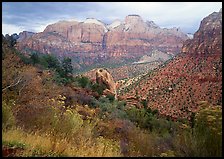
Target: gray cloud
(35,16)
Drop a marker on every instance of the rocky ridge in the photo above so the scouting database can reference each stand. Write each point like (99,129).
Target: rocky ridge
(92,41)
(194,75)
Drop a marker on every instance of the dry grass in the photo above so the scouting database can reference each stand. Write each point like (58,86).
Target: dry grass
(37,144)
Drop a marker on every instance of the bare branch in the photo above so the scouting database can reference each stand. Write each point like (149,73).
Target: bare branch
(22,88)
(13,84)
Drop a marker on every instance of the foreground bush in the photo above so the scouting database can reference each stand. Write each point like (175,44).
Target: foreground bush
(205,139)
(59,131)
(208,131)
(38,144)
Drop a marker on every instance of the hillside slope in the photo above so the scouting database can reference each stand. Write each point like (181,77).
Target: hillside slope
(195,75)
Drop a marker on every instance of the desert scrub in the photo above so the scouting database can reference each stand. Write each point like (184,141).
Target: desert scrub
(8,119)
(142,143)
(40,144)
(205,139)
(208,131)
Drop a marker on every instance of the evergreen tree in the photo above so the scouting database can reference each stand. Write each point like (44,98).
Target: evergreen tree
(34,58)
(67,67)
(52,61)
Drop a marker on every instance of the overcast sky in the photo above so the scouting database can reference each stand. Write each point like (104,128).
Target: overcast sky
(35,16)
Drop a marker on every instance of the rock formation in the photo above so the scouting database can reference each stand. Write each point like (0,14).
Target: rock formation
(92,41)
(208,39)
(103,77)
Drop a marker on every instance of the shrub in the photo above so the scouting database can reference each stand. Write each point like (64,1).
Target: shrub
(83,99)
(97,88)
(110,97)
(8,119)
(50,60)
(60,80)
(208,131)
(121,105)
(205,139)
(154,112)
(163,126)
(34,57)
(140,116)
(111,109)
(145,103)
(83,81)
(117,113)
(141,143)
(66,124)
(25,59)
(48,115)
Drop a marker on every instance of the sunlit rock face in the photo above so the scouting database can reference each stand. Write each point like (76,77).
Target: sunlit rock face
(92,41)
(103,77)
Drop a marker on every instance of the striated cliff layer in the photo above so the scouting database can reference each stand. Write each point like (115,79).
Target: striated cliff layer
(92,41)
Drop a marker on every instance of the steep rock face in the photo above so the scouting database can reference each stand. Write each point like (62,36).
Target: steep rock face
(134,38)
(66,37)
(92,40)
(193,76)
(89,31)
(103,77)
(208,39)
(61,27)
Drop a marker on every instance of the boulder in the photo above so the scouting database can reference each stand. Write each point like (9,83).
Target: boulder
(103,77)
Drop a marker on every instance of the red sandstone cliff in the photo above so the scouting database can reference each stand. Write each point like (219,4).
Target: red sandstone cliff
(93,41)
(208,39)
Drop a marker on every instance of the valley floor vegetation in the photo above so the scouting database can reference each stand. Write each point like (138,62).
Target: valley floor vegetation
(47,112)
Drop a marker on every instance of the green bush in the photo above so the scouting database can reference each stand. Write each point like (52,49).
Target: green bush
(145,103)
(162,126)
(68,123)
(141,117)
(50,60)
(34,58)
(208,131)
(61,80)
(98,88)
(205,138)
(121,105)
(110,97)
(83,81)
(111,109)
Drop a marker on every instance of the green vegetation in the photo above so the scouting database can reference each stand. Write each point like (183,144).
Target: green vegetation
(98,88)
(205,138)
(83,81)
(43,116)
(55,133)
(63,70)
